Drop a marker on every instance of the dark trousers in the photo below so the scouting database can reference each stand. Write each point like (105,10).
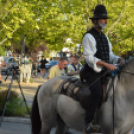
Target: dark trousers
(96,90)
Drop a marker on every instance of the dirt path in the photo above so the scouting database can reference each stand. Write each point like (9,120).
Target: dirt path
(29,89)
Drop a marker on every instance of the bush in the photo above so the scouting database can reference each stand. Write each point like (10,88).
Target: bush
(31,80)
(15,105)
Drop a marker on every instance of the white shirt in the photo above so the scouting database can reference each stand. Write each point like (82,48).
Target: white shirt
(89,47)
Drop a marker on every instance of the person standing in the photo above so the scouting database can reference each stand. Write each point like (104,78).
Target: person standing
(1,64)
(42,66)
(35,68)
(72,68)
(38,59)
(99,58)
(71,60)
(21,63)
(28,68)
(58,70)
(78,66)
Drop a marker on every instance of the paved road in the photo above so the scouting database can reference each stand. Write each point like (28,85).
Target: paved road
(20,128)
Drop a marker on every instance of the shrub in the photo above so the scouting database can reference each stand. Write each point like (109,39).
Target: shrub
(31,80)
(15,105)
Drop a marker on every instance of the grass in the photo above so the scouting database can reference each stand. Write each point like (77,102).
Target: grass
(15,104)
(31,80)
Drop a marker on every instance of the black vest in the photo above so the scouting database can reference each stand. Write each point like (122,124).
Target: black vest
(102,48)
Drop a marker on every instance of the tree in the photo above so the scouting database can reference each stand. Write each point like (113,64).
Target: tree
(51,22)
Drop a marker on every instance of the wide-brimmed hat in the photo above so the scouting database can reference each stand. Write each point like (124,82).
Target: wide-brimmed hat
(100,12)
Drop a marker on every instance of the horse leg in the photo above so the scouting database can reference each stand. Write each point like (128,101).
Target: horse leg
(130,132)
(60,128)
(48,113)
(46,128)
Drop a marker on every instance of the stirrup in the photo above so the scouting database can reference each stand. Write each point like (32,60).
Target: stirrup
(87,129)
(91,127)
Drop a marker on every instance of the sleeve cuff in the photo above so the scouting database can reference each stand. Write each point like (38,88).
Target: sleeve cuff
(97,68)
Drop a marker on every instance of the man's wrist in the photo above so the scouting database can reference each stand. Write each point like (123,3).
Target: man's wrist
(105,64)
(102,63)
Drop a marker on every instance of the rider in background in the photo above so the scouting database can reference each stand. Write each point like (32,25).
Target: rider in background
(99,58)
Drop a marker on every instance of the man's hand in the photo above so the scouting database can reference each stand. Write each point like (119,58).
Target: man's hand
(110,67)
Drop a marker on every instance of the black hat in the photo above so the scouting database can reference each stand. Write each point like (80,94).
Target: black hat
(100,12)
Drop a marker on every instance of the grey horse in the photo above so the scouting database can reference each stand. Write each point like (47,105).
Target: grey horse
(51,108)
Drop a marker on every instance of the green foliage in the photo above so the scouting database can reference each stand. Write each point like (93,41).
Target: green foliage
(51,22)
(2,51)
(15,105)
(31,80)
(83,62)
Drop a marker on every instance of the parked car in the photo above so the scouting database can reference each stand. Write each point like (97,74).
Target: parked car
(50,64)
(9,62)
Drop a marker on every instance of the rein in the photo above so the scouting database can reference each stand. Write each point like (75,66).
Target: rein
(125,72)
(113,76)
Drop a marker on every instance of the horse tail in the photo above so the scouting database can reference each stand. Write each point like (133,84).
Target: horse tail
(35,116)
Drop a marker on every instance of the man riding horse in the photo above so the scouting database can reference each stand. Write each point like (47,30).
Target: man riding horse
(99,58)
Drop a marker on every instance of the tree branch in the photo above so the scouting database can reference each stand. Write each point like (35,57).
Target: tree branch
(111,28)
(8,12)
(118,41)
(6,38)
(5,6)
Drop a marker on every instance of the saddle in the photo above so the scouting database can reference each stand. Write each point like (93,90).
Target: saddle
(79,91)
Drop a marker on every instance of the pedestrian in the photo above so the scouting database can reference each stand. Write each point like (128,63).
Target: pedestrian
(42,67)
(58,70)
(78,66)
(73,69)
(21,62)
(35,68)
(1,64)
(25,68)
(28,69)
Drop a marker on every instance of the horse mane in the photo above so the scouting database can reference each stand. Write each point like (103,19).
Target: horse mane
(128,67)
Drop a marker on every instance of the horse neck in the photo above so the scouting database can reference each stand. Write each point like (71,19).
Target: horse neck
(126,81)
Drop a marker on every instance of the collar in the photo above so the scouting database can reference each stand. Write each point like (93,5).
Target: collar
(97,32)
